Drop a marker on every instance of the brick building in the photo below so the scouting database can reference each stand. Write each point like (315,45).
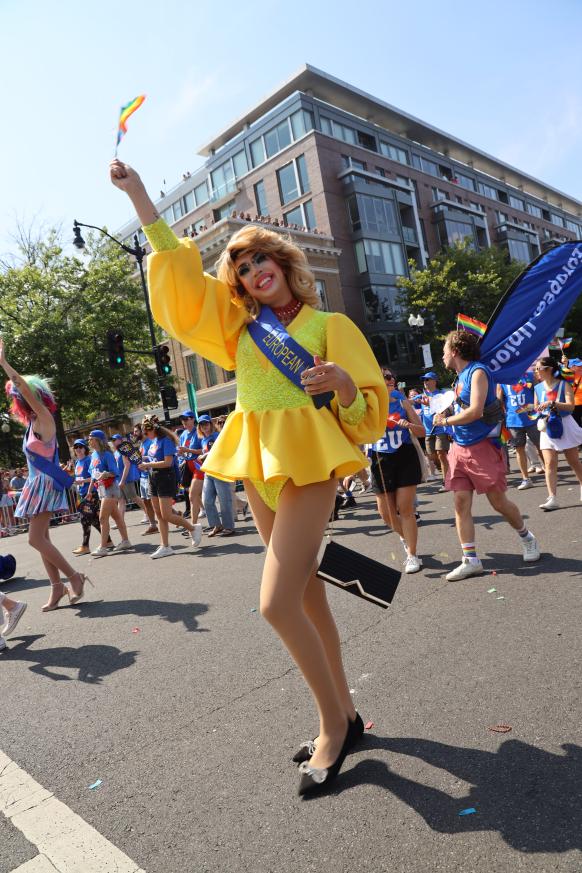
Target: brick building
(362,187)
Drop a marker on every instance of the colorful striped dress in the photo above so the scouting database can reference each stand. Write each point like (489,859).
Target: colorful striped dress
(39,493)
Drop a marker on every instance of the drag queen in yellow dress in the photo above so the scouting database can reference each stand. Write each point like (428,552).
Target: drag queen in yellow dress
(288,452)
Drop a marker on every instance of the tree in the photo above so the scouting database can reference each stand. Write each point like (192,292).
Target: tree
(55,311)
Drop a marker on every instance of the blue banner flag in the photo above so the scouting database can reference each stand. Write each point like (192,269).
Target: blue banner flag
(531,311)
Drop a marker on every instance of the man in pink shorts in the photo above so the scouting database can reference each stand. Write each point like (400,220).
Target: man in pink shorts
(476,462)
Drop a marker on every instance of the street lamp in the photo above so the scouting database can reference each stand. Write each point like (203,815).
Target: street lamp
(415,320)
(139,253)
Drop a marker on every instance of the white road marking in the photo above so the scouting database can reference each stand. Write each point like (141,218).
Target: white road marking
(66,843)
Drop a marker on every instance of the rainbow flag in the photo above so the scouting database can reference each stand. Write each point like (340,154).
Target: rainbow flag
(465,322)
(124,114)
(565,343)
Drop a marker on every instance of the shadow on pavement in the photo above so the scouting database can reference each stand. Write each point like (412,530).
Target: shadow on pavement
(186,613)
(532,797)
(92,662)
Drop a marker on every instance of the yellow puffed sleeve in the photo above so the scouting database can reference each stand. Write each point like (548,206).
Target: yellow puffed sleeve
(365,420)
(191,305)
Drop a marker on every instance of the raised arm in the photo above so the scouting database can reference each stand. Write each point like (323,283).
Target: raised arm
(188,303)
(45,423)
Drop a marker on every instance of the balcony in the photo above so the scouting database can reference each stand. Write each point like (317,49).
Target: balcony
(409,236)
(224,193)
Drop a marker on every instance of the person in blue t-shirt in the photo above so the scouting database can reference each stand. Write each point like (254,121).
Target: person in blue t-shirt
(105,476)
(162,467)
(90,509)
(438,437)
(129,478)
(189,450)
(521,420)
(396,470)
(476,461)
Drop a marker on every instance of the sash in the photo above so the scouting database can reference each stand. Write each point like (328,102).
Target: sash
(61,478)
(283,351)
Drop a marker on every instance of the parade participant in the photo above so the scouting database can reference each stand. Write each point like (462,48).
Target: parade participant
(188,440)
(396,471)
(34,405)
(89,510)
(162,467)
(220,525)
(144,484)
(438,439)
(575,364)
(129,478)
(476,462)
(520,423)
(190,449)
(105,476)
(554,395)
(288,451)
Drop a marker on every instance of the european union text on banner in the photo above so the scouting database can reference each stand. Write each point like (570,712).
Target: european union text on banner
(283,351)
(531,311)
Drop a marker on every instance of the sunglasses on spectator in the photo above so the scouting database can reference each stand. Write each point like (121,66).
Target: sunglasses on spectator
(388,376)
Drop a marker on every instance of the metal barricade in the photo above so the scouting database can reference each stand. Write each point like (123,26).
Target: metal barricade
(9,524)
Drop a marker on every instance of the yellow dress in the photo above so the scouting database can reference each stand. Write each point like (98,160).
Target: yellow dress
(275,432)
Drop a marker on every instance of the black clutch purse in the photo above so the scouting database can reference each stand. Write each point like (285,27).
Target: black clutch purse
(359,575)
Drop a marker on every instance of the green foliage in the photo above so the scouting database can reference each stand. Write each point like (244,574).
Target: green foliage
(55,311)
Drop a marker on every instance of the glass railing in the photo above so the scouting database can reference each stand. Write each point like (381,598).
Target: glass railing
(409,235)
(223,191)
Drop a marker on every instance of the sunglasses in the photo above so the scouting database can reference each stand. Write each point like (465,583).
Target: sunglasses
(388,376)
(256,259)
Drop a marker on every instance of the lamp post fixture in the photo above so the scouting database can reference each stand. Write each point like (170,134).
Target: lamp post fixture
(139,253)
(415,320)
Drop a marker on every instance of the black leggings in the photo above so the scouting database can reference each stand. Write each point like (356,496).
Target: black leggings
(88,521)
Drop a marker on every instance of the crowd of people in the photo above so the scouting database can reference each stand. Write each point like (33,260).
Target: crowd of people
(292,439)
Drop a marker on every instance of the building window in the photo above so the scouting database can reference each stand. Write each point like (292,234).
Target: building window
(516,202)
(451,232)
(377,256)
(277,138)
(478,206)
(439,194)
(178,210)
(222,180)
(261,198)
(488,191)
(348,161)
(293,180)
(367,141)
(519,250)
(321,293)
(393,152)
(192,366)
(380,303)
(189,201)
(465,181)
(501,217)
(301,122)
(394,348)
(229,375)
(303,216)
(425,165)
(210,373)
(557,219)
(374,214)
(168,215)
(571,225)
(201,194)
(257,152)
(533,210)
(224,211)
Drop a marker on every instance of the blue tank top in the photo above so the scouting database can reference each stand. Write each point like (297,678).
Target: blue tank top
(559,389)
(394,437)
(516,396)
(469,434)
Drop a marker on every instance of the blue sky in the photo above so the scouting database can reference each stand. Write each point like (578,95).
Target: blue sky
(505,78)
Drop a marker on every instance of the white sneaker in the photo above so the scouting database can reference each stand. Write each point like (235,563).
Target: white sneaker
(539,470)
(550,504)
(145,520)
(13,616)
(412,564)
(433,477)
(2,644)
(114,527)
(531,550)
(532,469)
(100,552)
(123,546)
(196,535)
(162,552)
(525,483)
(465,569)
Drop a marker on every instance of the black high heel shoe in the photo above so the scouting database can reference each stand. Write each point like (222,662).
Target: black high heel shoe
(356,731)
(314,780)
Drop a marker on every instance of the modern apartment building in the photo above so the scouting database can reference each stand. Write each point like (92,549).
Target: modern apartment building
(362,187)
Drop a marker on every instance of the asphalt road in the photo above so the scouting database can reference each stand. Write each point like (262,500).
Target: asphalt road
(168,686)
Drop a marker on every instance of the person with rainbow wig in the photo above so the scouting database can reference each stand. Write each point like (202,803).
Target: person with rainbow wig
(33,404)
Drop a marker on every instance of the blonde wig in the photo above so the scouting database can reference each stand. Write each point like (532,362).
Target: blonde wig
(254,238)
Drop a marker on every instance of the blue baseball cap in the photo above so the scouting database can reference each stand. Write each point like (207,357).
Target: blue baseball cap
(187,414)
(575,362)
(430,375)
(100,434)
(204,418)
(116,436)
(81,443)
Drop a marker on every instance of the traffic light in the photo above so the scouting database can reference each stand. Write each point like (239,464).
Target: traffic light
(169,397)
(115,349)
(164,360)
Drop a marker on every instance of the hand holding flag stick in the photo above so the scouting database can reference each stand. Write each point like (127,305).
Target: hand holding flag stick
(124,114)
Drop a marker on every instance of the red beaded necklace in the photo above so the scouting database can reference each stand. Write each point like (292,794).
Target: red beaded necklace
(287,313)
